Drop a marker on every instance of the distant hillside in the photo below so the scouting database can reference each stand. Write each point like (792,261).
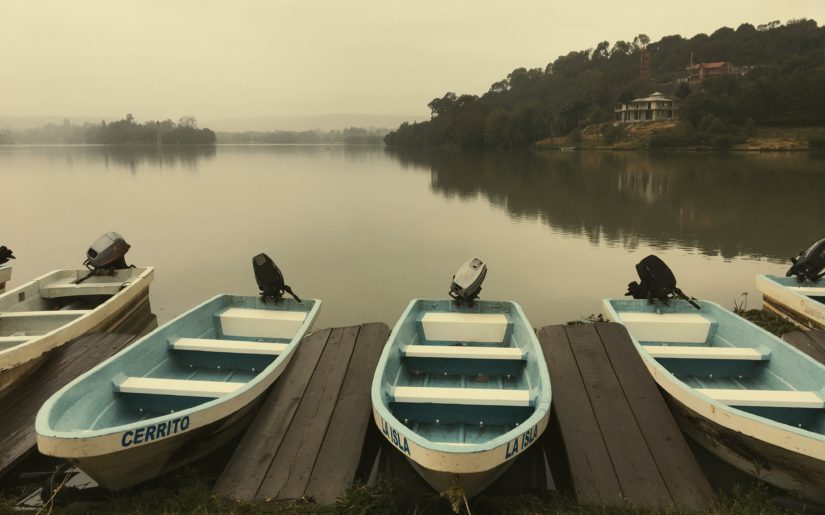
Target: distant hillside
(324,122)
(781,82)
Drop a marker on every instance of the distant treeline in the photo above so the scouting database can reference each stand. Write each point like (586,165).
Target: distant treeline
(126,131)
(781,82)
(351,135)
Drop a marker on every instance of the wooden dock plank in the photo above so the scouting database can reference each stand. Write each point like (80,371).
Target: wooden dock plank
(636,469)
(591,471)
(685,481)
(340,453)
(245,471)
(19,407)
(811,343)
(289,474)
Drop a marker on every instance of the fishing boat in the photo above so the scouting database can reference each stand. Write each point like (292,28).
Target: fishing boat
(737,390)
(58,307)
(799,296)
(462,388)
(179,392)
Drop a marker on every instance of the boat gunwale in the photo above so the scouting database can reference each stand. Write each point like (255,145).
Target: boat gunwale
(541,409)
(43,427)
(651,362)
(147,272)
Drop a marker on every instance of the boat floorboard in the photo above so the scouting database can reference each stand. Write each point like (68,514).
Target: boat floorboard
(620,440)
(19,405)
(308,438)
(811,343)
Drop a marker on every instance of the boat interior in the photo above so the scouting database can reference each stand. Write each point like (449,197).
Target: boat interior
(207,353)
(461,375)
(815,291)
(730,361)
(51,302)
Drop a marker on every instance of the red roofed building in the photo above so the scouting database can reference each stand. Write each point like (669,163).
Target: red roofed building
(699,72)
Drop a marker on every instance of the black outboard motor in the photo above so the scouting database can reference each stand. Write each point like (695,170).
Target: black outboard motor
(809,264)
(106,255)
(270,279)
(5,254)
(467,281)
(657,283)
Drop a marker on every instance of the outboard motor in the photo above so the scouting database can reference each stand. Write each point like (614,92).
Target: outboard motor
(657,283)
(809,264)
(106,255)
(270,279)
(467,281)
(5,254)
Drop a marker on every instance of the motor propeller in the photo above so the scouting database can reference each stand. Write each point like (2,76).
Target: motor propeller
(809,264)
(657,283)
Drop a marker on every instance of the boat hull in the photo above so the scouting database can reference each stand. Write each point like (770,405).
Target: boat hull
(469,485)
(799,309)
(783,468)
(5,276)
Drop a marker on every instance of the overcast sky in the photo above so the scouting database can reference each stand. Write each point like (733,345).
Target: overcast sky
(169,58)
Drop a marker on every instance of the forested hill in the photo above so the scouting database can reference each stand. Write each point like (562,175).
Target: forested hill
(780,81)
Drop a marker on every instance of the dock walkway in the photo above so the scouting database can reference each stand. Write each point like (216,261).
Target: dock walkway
(622,444)
(811,343)
(19,406)
(307,439)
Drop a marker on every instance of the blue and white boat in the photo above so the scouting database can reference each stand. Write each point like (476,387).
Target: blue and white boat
(461,390)
(737,390)
(176,394)
(803,303)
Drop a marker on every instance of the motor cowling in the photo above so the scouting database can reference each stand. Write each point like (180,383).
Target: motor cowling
(107,253)
(5,254)
(656,283)
(809,264)
(466,284)
(270,279)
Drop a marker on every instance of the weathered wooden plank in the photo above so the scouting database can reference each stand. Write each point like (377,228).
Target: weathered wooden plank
(19,406)
(641,482)
(289,474)
(685,481)
(245,471)
(804,341)
(591,471)
(340,453)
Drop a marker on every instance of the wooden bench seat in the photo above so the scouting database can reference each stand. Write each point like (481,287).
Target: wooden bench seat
(176,387)
(463,352)
(229,346)
(44,314)
(667,327)
(729,353)
(68,289)
(464,396)
(464,327)
(765,398)
(16,339)
(261,323)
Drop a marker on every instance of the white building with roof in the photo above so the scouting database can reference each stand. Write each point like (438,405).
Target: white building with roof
(648,109)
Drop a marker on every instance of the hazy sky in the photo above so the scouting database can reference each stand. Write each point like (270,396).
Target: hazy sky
(165,59)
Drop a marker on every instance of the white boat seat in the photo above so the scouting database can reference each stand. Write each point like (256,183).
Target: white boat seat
(667,327)
(44,314)
(67,289)
(727,353)
(462,351)
(16,339)
(765,398)
(464,327)
(465,396)
(229,346)
(261,323)
(177,387)
(813,291)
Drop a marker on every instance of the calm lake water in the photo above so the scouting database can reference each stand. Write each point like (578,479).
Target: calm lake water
(366,229)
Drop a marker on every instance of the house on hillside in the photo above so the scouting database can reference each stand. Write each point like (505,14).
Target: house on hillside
(699,72)
(648,109)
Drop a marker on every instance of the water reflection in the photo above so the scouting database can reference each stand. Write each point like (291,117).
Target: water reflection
(765,205)
(127,157)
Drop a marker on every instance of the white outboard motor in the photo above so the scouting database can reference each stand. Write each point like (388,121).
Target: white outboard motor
(106,255)
(466,284)
(809,264)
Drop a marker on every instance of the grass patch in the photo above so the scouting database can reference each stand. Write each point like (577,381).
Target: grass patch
(768,321)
